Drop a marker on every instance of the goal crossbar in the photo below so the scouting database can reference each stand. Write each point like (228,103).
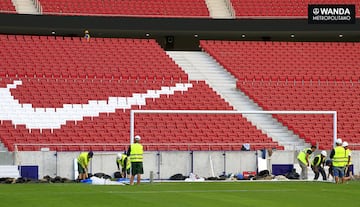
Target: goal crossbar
(133,112)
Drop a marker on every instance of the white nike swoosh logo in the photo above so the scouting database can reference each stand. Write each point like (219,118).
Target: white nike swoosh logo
(53,118)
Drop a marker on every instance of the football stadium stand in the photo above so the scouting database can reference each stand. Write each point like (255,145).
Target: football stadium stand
(293,76)
(174,8)
(69,94)
(58,74)
(61,94)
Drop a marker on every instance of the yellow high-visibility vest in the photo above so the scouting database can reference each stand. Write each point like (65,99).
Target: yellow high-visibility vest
(340,158)
(318,163)
(136,152)
(83,159)
(121,161)
(302,155)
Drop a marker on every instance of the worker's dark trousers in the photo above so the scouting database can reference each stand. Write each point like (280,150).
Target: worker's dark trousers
(317,170)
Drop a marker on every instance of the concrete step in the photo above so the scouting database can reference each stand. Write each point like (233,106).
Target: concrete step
(218,9)
(25,7)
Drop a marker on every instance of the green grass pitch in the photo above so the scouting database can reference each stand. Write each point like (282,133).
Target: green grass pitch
(183,194)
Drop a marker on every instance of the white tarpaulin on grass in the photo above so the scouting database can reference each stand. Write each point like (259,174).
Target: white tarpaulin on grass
(102,181)
(9,171)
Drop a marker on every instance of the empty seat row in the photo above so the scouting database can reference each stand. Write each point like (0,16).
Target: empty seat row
(281,8)
(291,61)
(162,8)
(69,62)
(96,129)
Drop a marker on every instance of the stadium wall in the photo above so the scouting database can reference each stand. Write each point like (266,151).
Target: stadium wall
(6,158)
(162,164)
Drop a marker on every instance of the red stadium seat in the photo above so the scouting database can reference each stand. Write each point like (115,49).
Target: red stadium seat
(71,88)
(157,8)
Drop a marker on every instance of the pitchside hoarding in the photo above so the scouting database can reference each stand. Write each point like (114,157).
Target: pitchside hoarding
(331,14)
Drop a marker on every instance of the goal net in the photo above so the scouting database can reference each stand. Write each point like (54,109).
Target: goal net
(241,125)
(208,142)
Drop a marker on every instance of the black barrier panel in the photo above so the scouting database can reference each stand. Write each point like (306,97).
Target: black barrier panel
(331,14)
(178,33)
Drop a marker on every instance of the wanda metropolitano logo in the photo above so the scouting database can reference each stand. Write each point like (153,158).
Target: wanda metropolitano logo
(331,14)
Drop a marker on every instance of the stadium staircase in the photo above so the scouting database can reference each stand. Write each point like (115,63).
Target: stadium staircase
(200,66)
(220,9)
(25,7)
(2,147)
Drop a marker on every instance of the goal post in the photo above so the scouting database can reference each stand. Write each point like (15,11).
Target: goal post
(134,112)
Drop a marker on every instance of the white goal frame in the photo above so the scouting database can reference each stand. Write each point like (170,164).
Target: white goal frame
(133,112)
